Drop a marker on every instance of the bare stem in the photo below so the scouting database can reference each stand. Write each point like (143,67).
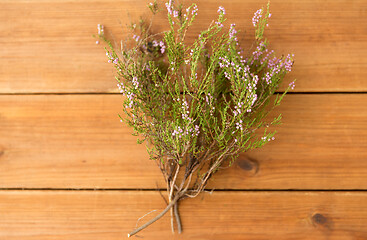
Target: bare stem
(169,206)
(171,194)
(177,216)
(172,223)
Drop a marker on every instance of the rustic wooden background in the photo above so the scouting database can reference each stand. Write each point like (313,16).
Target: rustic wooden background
(70,170)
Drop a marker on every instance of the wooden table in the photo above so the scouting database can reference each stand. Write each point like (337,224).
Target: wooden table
(70,170)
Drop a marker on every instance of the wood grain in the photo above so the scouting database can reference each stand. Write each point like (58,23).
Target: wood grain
(47,46)
(77,141)
(111,215)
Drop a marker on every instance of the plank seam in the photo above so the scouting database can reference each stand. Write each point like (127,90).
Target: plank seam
(116,93)
(163,189)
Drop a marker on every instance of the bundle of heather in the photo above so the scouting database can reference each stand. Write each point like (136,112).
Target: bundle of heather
(196,106)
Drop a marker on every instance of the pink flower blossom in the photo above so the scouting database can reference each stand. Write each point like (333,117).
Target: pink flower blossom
(221,10)
(257,17)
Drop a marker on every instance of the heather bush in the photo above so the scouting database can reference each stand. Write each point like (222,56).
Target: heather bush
(196,106)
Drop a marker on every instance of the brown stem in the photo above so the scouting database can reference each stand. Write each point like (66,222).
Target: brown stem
(171,194)
(177,216)
(169,206)
(172,223)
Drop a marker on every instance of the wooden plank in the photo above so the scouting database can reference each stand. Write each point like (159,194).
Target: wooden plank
(47,45)
(77,141)
(111,215)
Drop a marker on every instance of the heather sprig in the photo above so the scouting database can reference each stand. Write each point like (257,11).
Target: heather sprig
(197,106)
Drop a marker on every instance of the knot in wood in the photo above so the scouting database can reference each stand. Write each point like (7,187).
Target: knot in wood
(320,219)
(248,164)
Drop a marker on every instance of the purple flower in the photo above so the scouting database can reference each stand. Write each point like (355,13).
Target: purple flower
(100,29)
(121,87)
(227,75)
(257,17)
(169,7)
(220,25)
(232,32)
(267,78)
(136,38)
(163,47)
(130,96)
(196,131)
(292,85)
(288,62)
(135,82)
(260,50)
(178,131)
(267,138)
(194,12)
(223,62)
(221,10)
(185,111)
(239,125)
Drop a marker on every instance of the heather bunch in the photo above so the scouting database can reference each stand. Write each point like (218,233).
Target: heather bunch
(197,106)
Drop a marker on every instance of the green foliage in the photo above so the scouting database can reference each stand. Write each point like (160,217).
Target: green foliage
(202,104)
